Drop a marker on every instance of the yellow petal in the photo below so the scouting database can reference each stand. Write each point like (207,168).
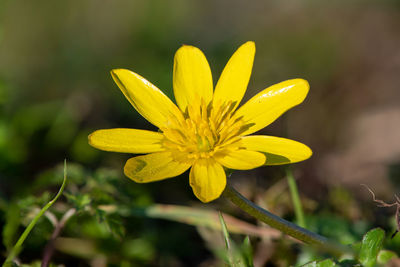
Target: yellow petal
(241,159)
(153,167)
(279,150)
(269,104)
(235,77)
(192,77)
(127,140)
(146,98)
(207,179)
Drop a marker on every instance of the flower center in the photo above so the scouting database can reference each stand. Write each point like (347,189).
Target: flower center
(203,131)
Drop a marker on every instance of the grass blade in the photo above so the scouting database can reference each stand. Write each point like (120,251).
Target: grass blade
(17,247)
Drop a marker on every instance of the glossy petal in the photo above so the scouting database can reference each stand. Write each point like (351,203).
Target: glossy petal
(192,77)
(269,104)
(207,179)
(147,99)
(235,77)
(153,167)
(279,150)
(127,140)
(241,159)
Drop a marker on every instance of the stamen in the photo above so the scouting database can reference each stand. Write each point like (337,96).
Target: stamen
(205,129)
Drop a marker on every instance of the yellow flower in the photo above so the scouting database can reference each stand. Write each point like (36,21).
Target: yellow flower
(205,130)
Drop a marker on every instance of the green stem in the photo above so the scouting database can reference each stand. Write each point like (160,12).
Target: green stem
(17,247)
(282,225)
(294,192)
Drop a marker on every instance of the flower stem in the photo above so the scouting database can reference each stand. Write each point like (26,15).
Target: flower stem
(282,225)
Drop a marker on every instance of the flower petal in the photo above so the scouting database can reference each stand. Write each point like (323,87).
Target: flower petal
(192,77)
(279,150)
(207,179)
(127,140)
(146,98)
(235,77)
(241,159)
(269,104)
(153,167)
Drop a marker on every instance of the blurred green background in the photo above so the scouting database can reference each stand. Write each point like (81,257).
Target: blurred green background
(55,89)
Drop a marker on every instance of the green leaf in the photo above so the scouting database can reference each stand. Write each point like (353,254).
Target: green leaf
(224,231)
(113,223)
(234,256)
(371,244)
(9,264)
(115,226)
(385,255)
(349,263)
(323,263)
(227,239)
(79,201)
(247,251)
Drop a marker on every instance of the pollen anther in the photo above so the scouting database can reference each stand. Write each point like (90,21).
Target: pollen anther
(205,130)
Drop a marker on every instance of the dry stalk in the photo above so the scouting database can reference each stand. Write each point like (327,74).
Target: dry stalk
(383,204)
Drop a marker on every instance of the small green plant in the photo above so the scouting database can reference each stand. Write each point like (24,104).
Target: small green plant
(236,256)
(370,253)
(15,250)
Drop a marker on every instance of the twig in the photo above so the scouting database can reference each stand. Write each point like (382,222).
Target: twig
(49,249)
(383,204)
